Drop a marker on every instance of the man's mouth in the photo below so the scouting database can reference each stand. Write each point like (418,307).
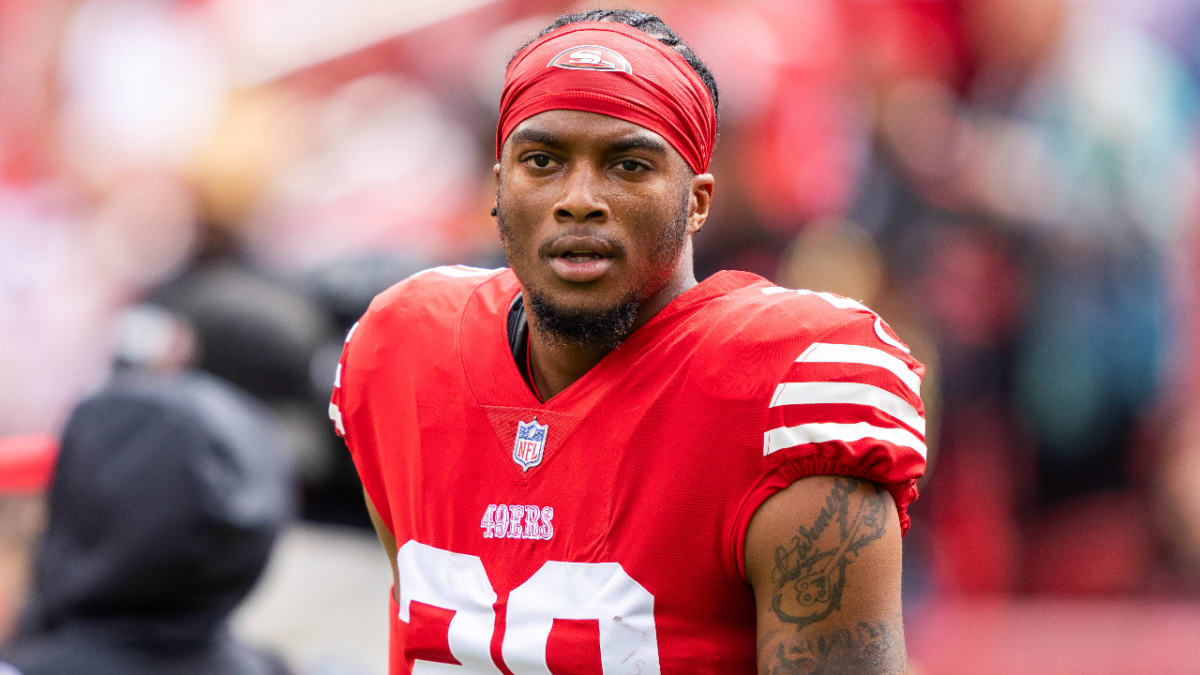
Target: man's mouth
(581,256)
(580,259)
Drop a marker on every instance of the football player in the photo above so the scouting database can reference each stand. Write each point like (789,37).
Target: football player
(589,462)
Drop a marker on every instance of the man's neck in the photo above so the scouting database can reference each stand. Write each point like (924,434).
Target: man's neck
(554,365)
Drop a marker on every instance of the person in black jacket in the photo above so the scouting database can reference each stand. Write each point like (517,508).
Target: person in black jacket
(166,500)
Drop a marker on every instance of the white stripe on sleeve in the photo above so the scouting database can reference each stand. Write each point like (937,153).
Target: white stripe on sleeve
(781,438)
(799,393)
(823,352)
(336,416)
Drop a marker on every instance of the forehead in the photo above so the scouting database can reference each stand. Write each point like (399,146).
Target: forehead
(577,129)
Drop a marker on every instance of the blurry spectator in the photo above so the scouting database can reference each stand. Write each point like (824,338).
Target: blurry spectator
(164,506)
(1175,466)
(257,332)
(226,316)
(1029,200)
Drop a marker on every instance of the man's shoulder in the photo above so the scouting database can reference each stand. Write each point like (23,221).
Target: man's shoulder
(435,289)
(432,299)
(423,315)
(757,315)
(749,334)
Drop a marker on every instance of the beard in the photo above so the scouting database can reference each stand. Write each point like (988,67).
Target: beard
(604,327)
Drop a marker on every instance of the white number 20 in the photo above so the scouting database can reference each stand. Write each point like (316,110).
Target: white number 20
(623,609)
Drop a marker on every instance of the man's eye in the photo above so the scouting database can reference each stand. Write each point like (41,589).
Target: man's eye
(539,160)
(632,166)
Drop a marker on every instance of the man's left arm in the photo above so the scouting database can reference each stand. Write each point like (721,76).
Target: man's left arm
(823,557)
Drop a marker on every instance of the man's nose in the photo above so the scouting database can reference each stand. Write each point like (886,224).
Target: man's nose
(581,199)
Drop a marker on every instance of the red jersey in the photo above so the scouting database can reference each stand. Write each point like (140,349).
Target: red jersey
(603,530)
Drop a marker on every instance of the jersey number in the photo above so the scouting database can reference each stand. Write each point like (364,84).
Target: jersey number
(457,583)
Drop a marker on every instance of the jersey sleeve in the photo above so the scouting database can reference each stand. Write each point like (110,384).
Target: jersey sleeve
(351,410)
(848,405)
(375,383)
(343,402)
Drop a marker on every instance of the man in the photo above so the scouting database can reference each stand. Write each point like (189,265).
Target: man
(591,463)
(164,505)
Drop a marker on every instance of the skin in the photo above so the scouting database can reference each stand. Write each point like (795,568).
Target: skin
(569,173)
(823,557)
(565,172)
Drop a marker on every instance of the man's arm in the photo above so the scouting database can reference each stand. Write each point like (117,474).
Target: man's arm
(387,539)
(823,557)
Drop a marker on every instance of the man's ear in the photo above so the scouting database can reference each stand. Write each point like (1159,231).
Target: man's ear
(496,175)
(699,200)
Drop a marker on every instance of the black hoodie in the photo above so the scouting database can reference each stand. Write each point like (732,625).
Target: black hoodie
(165,502)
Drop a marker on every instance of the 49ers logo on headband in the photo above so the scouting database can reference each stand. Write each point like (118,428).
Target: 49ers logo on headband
(590,57)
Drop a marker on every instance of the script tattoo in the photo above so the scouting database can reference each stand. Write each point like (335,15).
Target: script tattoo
(868,648)
(810,574)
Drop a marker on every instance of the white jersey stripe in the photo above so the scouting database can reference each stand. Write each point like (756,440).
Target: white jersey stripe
(336,416)
(781,438)
(823,352)
(836,300)
(856,393)
(461,271)
(888,339)
(832,298)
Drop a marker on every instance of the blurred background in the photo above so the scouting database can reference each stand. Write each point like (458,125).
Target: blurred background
(224,184)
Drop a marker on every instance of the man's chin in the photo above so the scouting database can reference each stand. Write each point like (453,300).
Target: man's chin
(597,327)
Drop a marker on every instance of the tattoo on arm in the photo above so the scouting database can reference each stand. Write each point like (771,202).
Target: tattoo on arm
(810,574)
(869,648)
(808,579)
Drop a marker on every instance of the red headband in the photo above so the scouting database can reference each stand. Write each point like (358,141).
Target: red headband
(615,70)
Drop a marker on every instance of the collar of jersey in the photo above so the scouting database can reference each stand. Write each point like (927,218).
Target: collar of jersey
(494,378)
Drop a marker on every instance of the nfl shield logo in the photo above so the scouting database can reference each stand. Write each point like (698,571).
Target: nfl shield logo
(530,444)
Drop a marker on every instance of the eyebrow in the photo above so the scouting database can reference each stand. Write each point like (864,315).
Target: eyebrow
(537,136)
(636,142)
(639,143)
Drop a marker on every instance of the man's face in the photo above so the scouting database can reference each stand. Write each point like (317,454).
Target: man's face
(595,214)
